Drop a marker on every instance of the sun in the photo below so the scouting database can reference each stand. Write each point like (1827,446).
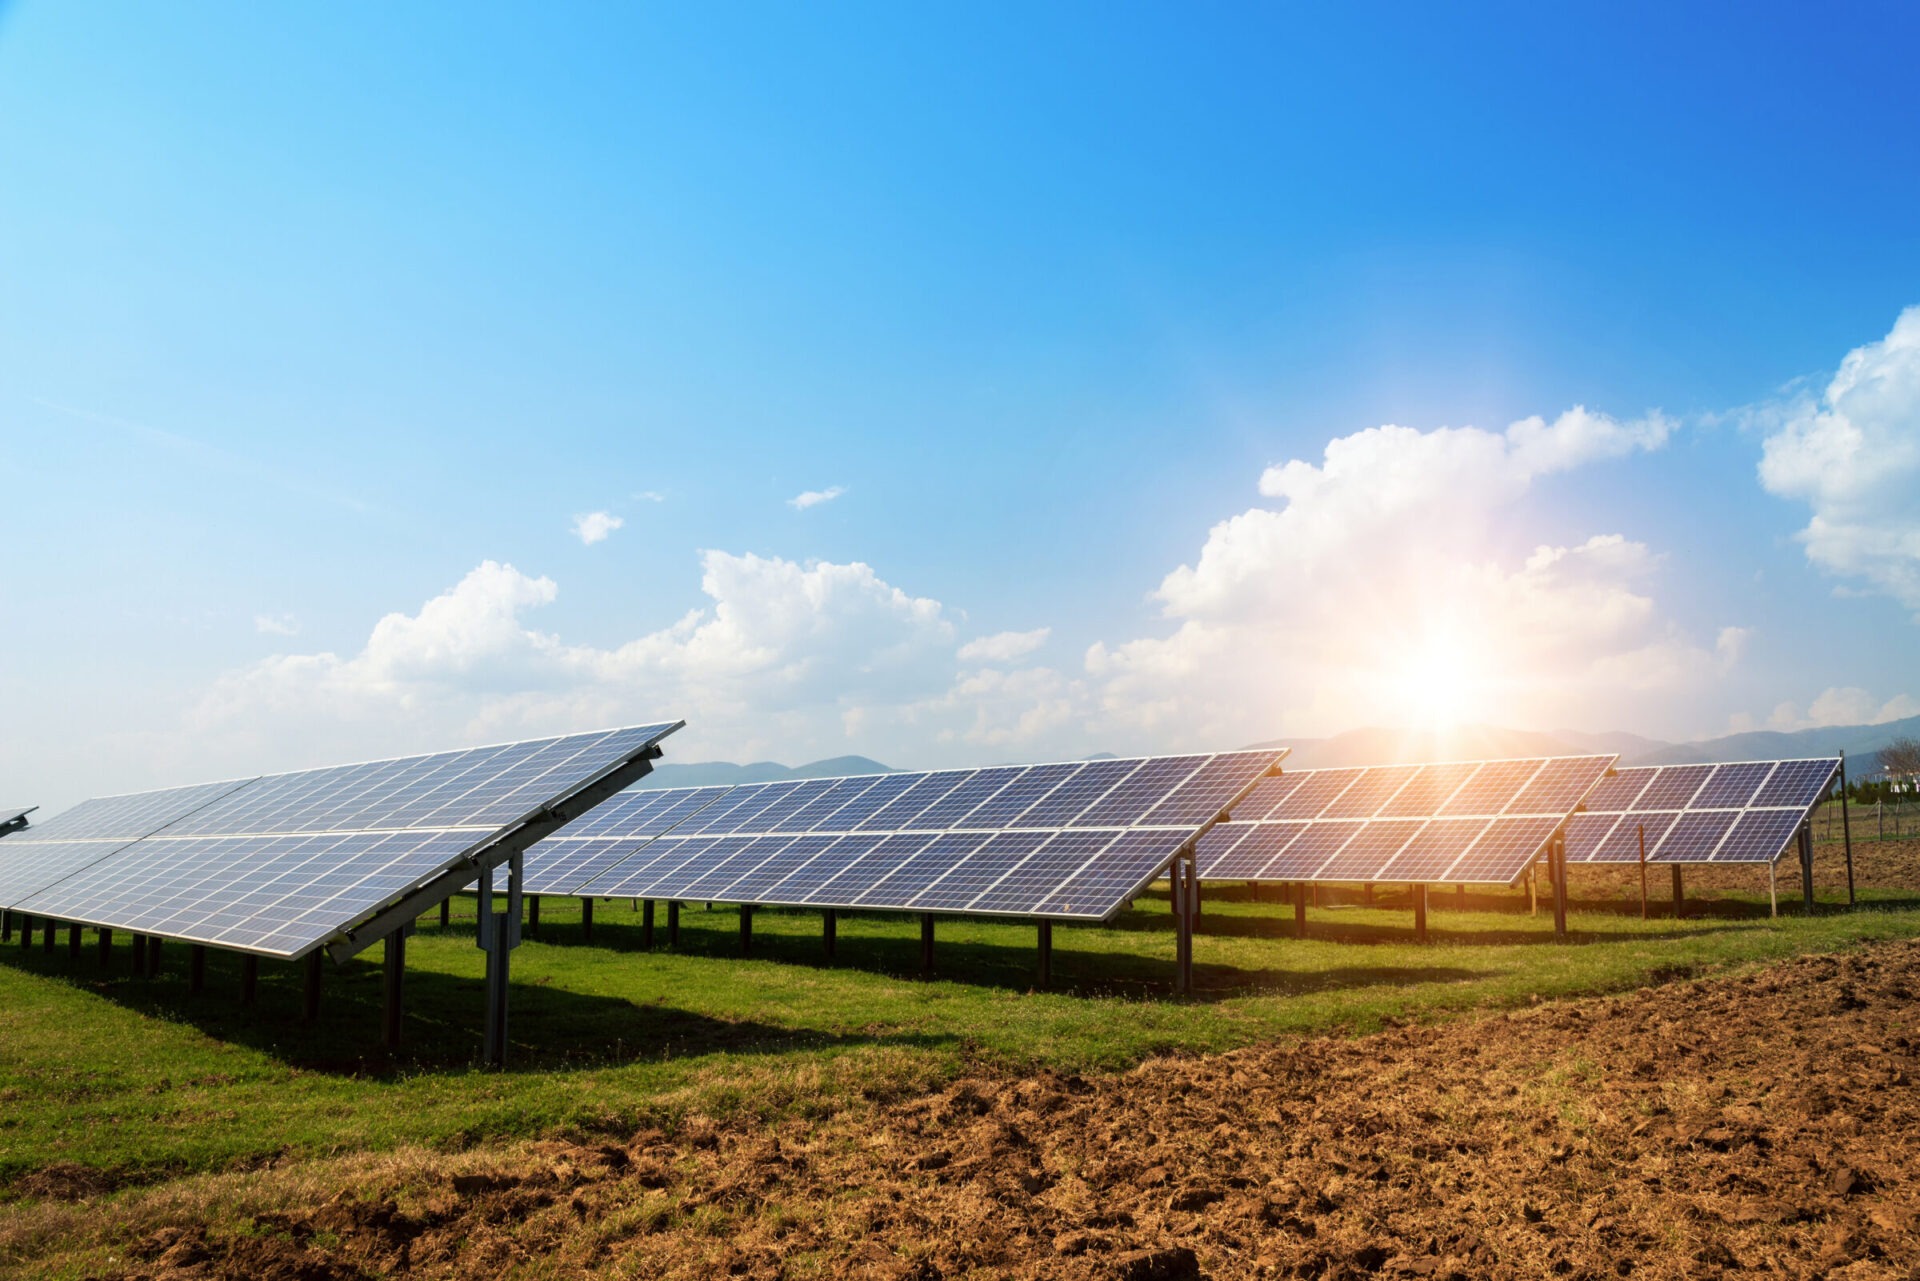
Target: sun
(1442,681)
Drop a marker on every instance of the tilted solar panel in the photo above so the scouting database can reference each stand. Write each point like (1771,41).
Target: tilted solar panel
(279,865)
(1453,822)
(14,817)
(1004,840)
(1737,812)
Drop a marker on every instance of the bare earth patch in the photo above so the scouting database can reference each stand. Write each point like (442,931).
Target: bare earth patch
(1761,1123)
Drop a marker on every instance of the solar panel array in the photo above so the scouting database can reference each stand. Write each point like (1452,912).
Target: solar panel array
(1071,841)
(14,817)
(1460,822)
(1740,812)
(279,864)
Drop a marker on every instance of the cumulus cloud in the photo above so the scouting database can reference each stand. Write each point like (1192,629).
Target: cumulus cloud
(1380,589)
(1843,705)
(815,497)
(1004,647)
(276,625)
(593,527)
(1852,454)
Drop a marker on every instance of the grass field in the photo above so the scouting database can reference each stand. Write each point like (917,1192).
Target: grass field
(137,1080)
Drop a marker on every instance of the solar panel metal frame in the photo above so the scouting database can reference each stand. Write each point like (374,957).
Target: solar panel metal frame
(993,785)
(1323,797)
(14,818)
(1645,806)
(466,851)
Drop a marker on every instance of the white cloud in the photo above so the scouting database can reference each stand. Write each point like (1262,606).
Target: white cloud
(1004,647)
(593,527)
(1853,455)
(276,625)
(1382,589)
(651,496)
(1843,705)
(814,497)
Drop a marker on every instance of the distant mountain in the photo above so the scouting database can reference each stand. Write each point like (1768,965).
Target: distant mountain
(1861,743)
(713,773)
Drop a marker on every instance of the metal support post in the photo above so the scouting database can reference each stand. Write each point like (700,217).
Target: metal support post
(249,978)
(310,1004)
(26,931)
(6,926)
(153,956)
(1679,893)
(106,949)
(1557,868)
(746,929)
(499,935)
(1182,875)
(1367,893)
(673,923)
(394,972)
(646,927)
(926,942)
(1300,910)
(1806,867)
(1046,953)
(139,942)
(1419,913)
(533,914)
(1846,830)
(446,911)
(829,931)
(1773,890)
(73,942)
(196,969)
(1533,890)
(1460,897)
(1643,872)
(1197,897)
(47,927)
(586,919)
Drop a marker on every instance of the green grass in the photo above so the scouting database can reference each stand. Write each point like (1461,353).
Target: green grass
(138,1077)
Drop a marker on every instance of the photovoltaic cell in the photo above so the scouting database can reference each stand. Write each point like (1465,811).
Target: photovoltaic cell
(1673,787)
(1732,786)
(901,811)
(1122,869)
(1759,836)
(1371,793)
(1431,788)
(1052,865)
(1724,813)
(1797,784)
(1078,794)
(1142,790)
(1504,852)
(1267,795)
(979,871)
(1370,850)
(1013,800)
(1433,851)
(1318,789)
(1695,836)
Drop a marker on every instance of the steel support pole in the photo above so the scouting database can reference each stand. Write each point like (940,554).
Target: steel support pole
(1460,898)
(1300,910)
(26,931)
(73,942)
(47,927)
(139,942)
(1046,953)
(6,926)
(829,932)
(1806,866)
(1183,924)
(1773,891)
(1679,893)
(153,956)
(646,926)
(1533,890)
(106,949)
(1367,893)
(746,929)
(1419,913)
(446,911)
(394,969)
(533,914)
(497,924)
(1643,872)
(310,994)
(196,969)
(1846,829)
(926,942)
(673,922)
(1557,869)
(249,978)
(586,919)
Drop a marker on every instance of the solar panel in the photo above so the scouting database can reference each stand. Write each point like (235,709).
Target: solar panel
(14,817)
(1455,822)
(1737,812)
(998,841)
(280,864)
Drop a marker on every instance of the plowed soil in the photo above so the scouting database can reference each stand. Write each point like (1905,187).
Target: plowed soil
(1762,1123)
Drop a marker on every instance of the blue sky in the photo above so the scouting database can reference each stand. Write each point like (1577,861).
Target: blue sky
(313,317)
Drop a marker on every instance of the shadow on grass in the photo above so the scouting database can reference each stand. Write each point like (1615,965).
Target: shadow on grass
(549,1027)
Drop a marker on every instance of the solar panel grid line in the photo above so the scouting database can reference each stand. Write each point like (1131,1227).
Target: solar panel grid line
(1433,788)
(899,812)
(1659,798)
(1090,787)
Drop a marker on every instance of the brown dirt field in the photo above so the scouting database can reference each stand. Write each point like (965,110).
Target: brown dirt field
(1759,1123)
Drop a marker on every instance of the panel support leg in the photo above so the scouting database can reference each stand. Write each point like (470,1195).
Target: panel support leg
(1806,867)
(26,931)
(106,949)
(1182,874)
(746,929)
(1299,897)
(1419,913)
(586,919)
(1846,831)
(1773,891)
(394,969)
(1679,893)
(153,956)
(6,926)
(646,926)
(446,911)
(829,931)
(73,941)
(1460,897)
(1645,911)
(196,969)
(249,979)
(47,927)
(1533,890)
(1366,893)
(533,914)
(926,942)
(1557,868)
(310,1002)
(673,922)
(139,942)
(1046,953)
(499,934)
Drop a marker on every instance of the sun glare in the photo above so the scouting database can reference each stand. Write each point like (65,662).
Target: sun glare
(1442,682)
